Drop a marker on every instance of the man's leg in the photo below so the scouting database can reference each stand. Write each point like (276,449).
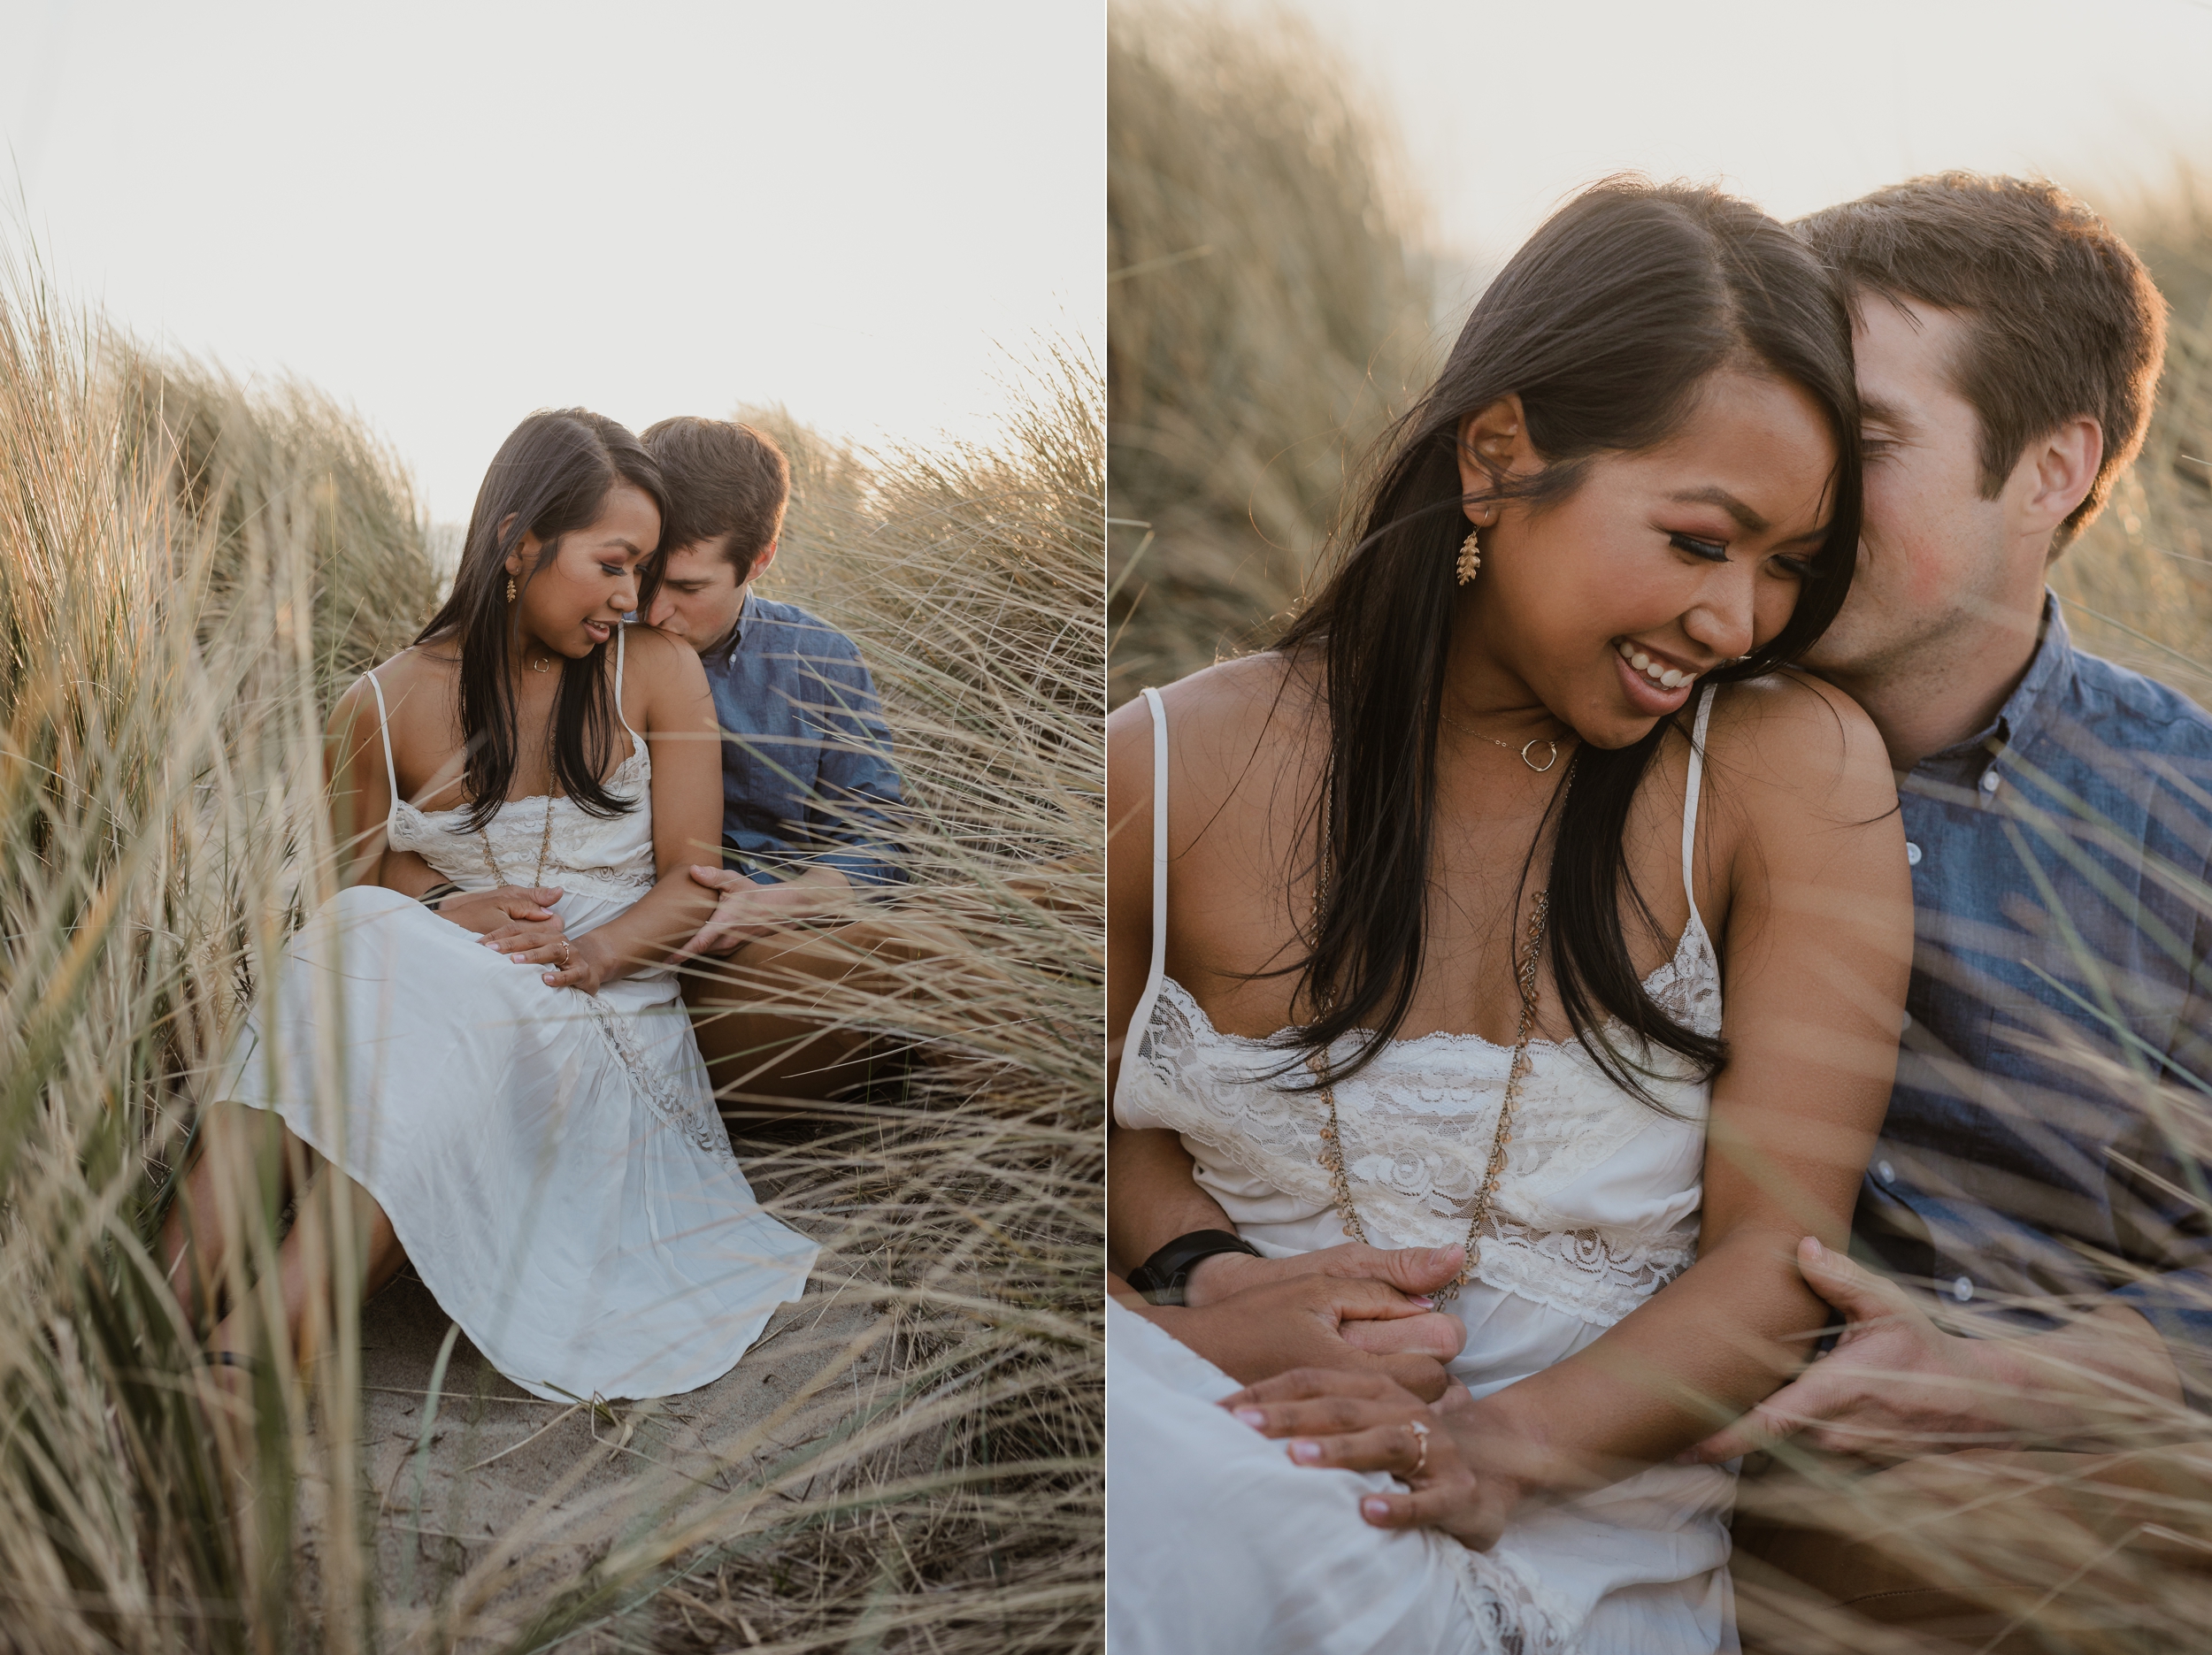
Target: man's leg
(2002,1552)
(786,1017)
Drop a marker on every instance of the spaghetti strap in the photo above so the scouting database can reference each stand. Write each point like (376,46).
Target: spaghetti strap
(621,631)
(1689,798)
(1143,1017)
(384,729)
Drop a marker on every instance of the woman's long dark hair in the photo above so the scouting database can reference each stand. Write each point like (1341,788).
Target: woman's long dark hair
(551,475)
(1606,323)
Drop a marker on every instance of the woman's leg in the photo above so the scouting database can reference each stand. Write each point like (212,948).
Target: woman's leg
(245,1165)
(248,1163)
(308,1264)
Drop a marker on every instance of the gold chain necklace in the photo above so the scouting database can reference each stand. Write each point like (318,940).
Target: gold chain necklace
(1551,756)
(1500,1140)
(545,845)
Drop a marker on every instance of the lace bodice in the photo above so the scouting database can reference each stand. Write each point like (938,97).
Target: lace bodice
(608,856)
(1597,1206)
(1417,1125)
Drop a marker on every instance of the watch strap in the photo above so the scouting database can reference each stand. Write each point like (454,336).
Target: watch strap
(1160,1278)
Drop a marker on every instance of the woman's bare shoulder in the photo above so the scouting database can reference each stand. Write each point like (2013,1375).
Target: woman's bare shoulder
(1804,740)
(1232,703)
(662,662)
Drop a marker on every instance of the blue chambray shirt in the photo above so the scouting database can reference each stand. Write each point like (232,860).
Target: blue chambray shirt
(807,776)
(2058,977)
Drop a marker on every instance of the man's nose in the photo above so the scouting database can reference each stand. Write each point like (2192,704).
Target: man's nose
(663,606)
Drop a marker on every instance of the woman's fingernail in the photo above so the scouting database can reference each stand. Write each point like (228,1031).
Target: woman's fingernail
(1250,1416)
(1423,1300)
(1305,1453)
(1813,1242)
(1374,1510)
(1440,1256)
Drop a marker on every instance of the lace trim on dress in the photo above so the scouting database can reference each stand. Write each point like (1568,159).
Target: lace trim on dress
(1416,1130)
(576,851)
(666,1099)
(1512,1613)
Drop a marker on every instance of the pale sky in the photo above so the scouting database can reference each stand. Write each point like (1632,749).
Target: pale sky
(1506,108)
(448,214)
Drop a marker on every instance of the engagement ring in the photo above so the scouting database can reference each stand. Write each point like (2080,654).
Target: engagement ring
(1420,1442)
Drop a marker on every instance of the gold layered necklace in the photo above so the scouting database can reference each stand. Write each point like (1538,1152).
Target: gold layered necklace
(1500,1140)
(545,847)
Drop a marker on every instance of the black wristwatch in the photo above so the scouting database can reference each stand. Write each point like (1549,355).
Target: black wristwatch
(1160,1278)
(438,894)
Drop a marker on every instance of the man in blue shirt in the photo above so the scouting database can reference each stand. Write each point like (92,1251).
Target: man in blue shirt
(810,793)
(2058,810)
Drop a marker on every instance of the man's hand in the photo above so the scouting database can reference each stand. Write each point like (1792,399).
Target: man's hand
(745,911)
(1898,1385)
(1895,1385)
(1306,1321)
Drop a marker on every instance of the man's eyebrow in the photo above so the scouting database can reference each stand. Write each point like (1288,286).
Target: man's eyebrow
(1713,494)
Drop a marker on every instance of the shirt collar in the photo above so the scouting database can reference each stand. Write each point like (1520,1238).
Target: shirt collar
(727,652)
(2049,670)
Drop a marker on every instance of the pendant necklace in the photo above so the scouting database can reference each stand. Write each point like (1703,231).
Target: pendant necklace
(1551,748)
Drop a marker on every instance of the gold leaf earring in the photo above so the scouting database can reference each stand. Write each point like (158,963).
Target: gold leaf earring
(1471,556)
(510,588)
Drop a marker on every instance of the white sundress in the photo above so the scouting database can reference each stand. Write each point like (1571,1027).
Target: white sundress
(1596,1210)
(551,1161)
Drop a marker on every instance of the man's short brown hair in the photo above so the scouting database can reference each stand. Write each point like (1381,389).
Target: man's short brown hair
(2062,321)
(724,479)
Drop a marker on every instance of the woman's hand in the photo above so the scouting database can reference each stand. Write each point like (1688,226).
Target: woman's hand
(586,962)
(490,912)
(1364,1423)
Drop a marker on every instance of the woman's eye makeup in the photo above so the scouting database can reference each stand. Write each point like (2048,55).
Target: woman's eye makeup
(1711,551)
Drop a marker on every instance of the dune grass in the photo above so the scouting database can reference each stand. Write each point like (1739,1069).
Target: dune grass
(189,569)
(1244,383)
(1268,302)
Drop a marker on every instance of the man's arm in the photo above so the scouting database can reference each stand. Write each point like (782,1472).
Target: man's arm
(857,794)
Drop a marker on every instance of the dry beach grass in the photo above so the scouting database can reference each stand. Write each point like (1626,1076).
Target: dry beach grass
(1264,321)
(188,569)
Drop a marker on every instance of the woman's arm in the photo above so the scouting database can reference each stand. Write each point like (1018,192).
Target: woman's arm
(1815,954)
(360,797)
(685,739)
(1152,1197)
(1816,950)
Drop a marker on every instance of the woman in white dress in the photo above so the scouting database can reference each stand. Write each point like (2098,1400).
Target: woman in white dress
(1426,947)
(502,1077)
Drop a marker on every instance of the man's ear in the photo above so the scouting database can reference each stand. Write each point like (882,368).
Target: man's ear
(760,564)
(1494,445)
(2056,475)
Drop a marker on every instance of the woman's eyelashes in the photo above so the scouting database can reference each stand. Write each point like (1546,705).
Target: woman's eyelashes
(1711,551)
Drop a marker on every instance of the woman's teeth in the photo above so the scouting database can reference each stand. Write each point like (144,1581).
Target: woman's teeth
(1665,677)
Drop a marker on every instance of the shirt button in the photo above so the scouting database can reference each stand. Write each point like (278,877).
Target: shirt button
(1990,778)
(1912,855)
(1885,1172)
(1962,1289)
